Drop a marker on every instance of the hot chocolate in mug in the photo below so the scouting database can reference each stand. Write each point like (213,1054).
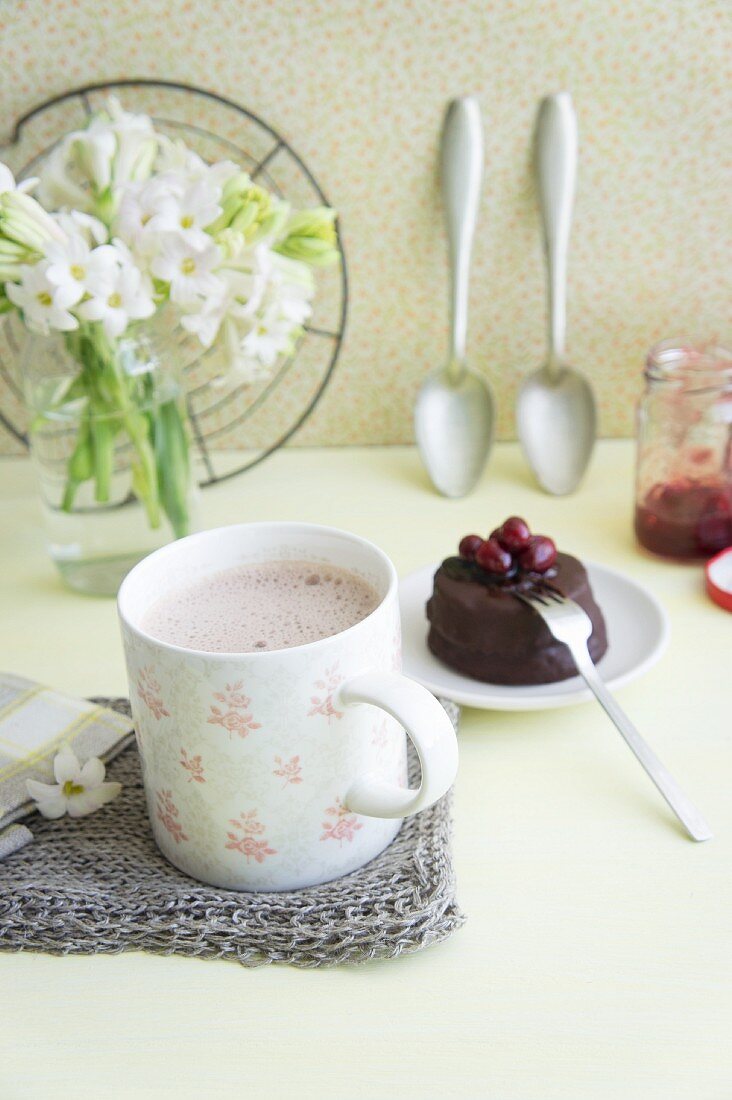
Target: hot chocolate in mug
(282,768)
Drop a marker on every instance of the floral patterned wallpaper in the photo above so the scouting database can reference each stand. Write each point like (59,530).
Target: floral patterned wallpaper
(359,89)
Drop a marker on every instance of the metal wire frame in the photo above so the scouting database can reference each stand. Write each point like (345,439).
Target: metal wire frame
(256,167)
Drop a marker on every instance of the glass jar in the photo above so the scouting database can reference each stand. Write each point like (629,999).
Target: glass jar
(109,441)
(684,473)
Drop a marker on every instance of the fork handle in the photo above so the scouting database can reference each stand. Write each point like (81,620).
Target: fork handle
(685,810)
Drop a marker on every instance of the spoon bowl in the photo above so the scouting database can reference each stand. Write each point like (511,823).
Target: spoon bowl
(454,429)
(556,425)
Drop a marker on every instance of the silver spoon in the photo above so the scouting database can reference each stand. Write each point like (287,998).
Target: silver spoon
(453,416)
(555,413)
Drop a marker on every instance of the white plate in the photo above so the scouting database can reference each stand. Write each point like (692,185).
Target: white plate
(637,629)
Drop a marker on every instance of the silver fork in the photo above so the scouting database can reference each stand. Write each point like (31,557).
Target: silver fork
(570,624)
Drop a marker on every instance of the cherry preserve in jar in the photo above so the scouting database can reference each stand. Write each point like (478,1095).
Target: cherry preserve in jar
(684,474)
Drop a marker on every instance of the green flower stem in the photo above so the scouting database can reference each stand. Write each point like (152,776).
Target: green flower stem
(144,472)
(171,451)
(81,463)
(103,432)
(118,402)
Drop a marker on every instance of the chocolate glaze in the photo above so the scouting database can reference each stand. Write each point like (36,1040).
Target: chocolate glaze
(480,628)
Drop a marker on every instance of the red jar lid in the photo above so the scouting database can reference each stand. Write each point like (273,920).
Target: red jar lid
(719,578)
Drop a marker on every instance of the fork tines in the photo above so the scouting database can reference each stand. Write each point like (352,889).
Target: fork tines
(545,597)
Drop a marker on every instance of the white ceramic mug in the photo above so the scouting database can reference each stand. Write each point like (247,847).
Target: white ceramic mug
(282,768)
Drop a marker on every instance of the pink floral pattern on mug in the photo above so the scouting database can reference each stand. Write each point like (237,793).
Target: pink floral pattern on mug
(234,716)
(345,825)
(148,689)
(244,839)
(327,686)
(193,765)
(289,770)
(380,737)
(168,814)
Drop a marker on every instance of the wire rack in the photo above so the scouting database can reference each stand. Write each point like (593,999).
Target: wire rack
(238,425)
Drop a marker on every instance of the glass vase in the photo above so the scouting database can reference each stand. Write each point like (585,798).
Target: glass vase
(109,441)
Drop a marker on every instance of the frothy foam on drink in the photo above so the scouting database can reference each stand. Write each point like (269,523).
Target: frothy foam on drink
(263,606)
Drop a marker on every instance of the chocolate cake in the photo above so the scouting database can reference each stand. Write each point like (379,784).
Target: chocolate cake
(479,627)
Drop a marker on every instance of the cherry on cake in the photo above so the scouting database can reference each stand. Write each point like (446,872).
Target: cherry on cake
(480,628)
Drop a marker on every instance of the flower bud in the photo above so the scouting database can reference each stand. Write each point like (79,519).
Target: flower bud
(311,237)
(24,221)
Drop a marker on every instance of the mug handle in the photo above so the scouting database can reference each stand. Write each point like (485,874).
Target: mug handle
(428,728)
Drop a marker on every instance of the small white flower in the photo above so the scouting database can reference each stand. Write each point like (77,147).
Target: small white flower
(37,297)
(123,253)
(293,286)
(139,204)
(78,790)
(205,323)
(250,272)
(268,339)
(117,147)
(126,298)
(176,158)
(264,302)
(189,213)
(186,268)
(7,181)
(242,292)
(277,325)
(242,366)
(136,144)
(76,269)
(95,148)
(24,221)
(75,221)
(60,184)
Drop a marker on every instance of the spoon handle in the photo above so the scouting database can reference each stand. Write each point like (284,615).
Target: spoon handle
(462,176)
(556,167)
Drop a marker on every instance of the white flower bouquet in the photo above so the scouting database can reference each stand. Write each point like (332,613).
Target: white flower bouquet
(125,221)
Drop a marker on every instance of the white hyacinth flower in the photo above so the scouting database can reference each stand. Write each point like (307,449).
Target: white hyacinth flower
(78,790)
(88,169)
(136,141)
(76,269)
(117,147)
(266,298)
(294,288)
(59,185)
(268,339)
(286,307)
(188,213)
(127,297)
(94,149)
(242,292)
(175,158)
(139,204)
(37,297)
(24,221)
(242,365)
(90,228)
(187,268)
(206,321)
(7,181)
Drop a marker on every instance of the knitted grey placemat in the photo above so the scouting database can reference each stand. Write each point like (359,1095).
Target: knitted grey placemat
(99,884)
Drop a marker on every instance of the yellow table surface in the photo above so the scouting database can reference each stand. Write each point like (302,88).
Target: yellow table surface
(596,958)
